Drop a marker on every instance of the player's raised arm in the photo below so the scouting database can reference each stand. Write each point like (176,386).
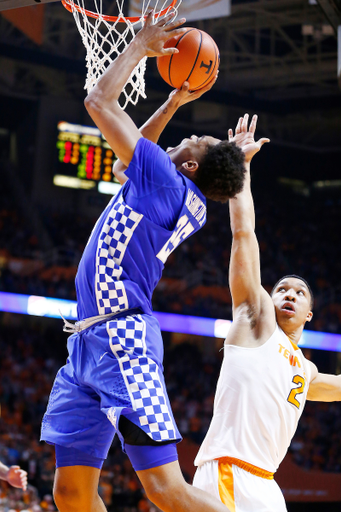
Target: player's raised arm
(155,125)
(102,102)
(244,273)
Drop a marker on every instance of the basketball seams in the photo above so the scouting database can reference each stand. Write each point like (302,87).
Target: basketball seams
(198,48)
(208,79)
(170,60)
(213,67)
(196,59)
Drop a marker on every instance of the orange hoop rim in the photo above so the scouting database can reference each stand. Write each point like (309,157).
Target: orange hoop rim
(71,6)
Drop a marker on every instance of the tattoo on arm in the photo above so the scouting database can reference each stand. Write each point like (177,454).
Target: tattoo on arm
(165,111)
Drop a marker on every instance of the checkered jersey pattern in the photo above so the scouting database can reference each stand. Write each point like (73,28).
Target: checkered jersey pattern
(116,234)
(141,374)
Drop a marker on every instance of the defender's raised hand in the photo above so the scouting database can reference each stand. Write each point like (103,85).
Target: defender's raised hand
(244,137)
(153,36)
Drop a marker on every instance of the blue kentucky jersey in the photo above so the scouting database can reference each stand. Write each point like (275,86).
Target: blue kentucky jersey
(156,209)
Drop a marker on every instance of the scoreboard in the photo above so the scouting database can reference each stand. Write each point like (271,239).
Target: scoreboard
(84,159)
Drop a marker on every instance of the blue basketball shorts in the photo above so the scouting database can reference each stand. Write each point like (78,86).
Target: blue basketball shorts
(113,369)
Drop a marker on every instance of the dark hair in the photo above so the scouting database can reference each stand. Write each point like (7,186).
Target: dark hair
(220,175)
(301,279)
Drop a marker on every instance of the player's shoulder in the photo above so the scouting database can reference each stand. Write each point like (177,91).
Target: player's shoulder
(151,154)
(150,149)
(312,368)
(151,168)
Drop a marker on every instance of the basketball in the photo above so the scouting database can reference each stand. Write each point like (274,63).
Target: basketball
(197,61)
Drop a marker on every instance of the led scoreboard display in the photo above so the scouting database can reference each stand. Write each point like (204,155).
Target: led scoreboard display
(85,159)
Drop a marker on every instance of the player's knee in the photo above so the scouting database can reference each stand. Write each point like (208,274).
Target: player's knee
(158,497)
(154,494)
(166,495)
(66,497)
(73,498)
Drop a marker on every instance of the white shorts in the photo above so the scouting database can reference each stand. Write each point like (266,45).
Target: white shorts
(238,489)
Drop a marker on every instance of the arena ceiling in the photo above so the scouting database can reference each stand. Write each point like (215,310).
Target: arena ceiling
(278,58)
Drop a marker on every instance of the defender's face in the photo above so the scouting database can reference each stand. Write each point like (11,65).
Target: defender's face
(193,148)
(292,300)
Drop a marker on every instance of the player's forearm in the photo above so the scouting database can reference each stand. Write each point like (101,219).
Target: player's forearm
(3,471)
(151,130)
(155,125)
(242,211)
(101,103)
(110,85)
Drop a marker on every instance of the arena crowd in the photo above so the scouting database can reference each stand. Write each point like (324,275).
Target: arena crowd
(297,234)
(31,356)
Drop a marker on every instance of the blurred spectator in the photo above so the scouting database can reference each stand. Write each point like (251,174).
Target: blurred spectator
(15,476)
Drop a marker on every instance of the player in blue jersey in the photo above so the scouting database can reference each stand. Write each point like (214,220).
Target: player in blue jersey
(113,380)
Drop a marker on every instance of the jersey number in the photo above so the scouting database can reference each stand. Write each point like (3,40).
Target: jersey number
(296,391)
(183,229)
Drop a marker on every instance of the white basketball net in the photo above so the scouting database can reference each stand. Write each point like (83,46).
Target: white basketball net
(105,40)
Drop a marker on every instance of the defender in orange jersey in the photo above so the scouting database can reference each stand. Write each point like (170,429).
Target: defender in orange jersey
(265,379)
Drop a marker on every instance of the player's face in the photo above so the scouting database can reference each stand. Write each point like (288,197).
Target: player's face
(292,300)
(193,148)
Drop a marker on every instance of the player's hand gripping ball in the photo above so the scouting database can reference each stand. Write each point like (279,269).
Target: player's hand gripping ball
(197,61)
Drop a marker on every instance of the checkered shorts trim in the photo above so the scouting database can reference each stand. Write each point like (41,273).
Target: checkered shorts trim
(141,375)
(112,243)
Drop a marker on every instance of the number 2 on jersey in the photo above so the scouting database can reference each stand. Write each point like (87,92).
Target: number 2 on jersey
(296,391)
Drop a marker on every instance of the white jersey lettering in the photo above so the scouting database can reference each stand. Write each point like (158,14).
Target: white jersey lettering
(183,229)
(196,207)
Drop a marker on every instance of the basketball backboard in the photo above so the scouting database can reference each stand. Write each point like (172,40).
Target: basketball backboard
(15,4)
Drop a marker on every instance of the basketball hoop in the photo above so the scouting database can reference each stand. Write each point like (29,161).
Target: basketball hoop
(105,37)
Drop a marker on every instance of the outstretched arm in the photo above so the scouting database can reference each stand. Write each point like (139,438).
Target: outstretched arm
(244,272)
(153,128)
(324,387)
(117,127)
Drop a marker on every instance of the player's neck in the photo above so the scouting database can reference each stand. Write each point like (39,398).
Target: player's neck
(185,172)
(293,333)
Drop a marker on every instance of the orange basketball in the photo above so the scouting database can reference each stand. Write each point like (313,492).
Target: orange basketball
(197,61)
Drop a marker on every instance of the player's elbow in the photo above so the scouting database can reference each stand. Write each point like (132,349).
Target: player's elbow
(94,102)
(243,232)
